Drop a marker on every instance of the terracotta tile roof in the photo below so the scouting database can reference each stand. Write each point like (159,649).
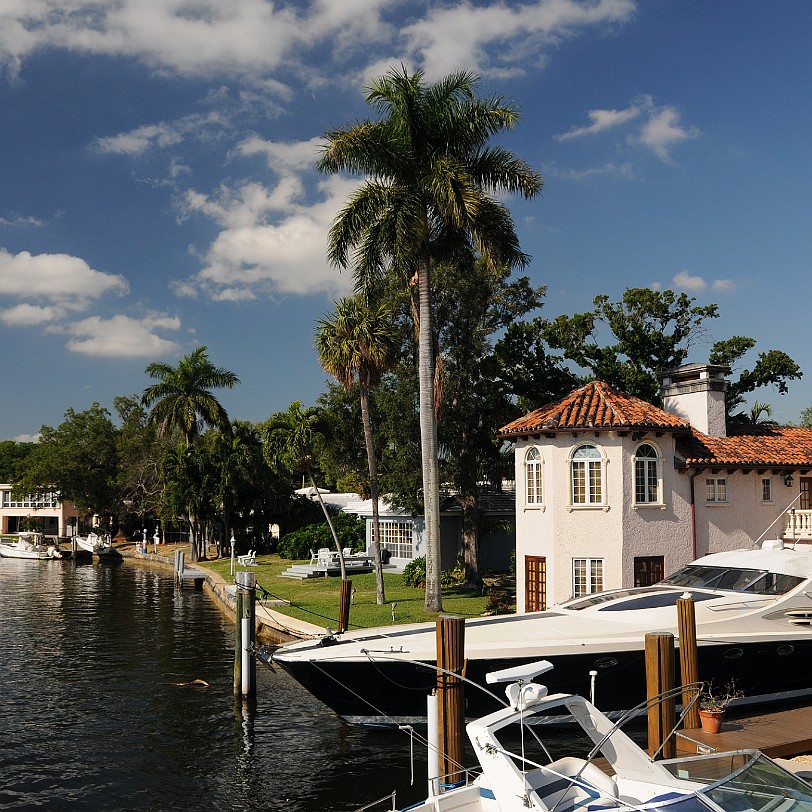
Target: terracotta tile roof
(750,446)
(596,405)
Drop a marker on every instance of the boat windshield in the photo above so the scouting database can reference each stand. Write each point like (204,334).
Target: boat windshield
(753,783)
(758,582)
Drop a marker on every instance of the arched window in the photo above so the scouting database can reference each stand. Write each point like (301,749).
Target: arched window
(532,477)
(587,476)
(646,475)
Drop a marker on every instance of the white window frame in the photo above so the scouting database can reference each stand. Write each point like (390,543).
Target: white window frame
(716,491)
(533,478)
(587,576)
(397,536)
(767,489)
(652,471)
(593,471)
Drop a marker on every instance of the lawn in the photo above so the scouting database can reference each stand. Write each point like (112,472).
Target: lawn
(316,599)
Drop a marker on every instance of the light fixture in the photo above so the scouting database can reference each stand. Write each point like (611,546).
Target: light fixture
(788,480)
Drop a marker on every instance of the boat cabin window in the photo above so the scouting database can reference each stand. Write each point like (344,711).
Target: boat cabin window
(758,582)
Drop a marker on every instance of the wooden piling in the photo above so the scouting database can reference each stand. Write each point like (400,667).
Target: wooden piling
(659,655)
(344,601)
(688,659)
(451,696)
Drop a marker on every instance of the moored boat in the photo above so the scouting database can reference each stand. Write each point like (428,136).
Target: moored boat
(518,777)
(28,544)
(93,543)
(753,620)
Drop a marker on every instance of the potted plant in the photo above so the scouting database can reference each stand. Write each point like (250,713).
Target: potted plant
(713,703)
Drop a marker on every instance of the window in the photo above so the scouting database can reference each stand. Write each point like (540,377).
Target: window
(766,490)
(397,538)
(717,488)
(648,570)
(532,472)
(587,576)
(587,476)
(37,501)
(646,475)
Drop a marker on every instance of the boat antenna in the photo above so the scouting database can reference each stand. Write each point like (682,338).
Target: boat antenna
(780,515)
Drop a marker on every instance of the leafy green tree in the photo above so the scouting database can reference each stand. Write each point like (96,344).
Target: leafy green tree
(181,404)
(12,456)
(289,440)
(429,169)
(772,368)
(79,458)
(181,401)
(357,344)
(652,331)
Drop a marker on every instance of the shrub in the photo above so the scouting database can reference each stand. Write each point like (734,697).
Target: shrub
(351,532)
(414,574)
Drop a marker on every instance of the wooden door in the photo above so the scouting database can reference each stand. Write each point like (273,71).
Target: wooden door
(535,583)
(806,493)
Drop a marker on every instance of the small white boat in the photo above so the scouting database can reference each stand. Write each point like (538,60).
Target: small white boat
(28,544)
(94,543)
(521,775)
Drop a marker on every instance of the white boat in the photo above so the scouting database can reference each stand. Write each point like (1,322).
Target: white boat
(753,619)
(93,543)
(28,544)
(521,776)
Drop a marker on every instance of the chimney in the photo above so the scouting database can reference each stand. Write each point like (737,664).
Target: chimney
(696,393)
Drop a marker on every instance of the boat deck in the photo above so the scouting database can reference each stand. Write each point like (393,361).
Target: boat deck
(780,734)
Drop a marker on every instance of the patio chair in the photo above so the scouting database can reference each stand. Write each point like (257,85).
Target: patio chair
(248,560)
(313,558)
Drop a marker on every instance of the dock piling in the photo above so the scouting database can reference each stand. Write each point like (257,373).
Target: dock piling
(245,665)
(659,656)
(451,693)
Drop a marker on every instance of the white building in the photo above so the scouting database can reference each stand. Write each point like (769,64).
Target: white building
(613,492)
(57,516)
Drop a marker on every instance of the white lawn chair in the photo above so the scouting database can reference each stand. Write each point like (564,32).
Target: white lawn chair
(313,558)
(325,558)
(248,560)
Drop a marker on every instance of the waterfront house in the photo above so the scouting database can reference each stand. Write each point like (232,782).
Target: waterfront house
(56,516)
(612,491)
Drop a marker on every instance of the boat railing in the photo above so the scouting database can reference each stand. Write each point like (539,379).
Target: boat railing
(391,797)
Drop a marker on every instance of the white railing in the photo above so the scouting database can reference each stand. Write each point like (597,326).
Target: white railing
(798,524)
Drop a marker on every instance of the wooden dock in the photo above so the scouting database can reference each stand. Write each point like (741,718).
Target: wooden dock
(781,734)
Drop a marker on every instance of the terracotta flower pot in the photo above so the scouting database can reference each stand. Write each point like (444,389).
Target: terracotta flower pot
(711,720)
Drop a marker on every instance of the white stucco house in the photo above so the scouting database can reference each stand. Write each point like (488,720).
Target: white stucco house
(402,534)
(614,492)
(58,517)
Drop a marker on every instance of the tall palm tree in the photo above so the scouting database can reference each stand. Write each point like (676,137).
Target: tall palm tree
(429,170)
(288,440)
(182,403)
(358,343)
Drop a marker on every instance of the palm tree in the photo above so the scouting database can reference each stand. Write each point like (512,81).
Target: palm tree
(181,403)
(288,441)
(359,344)
(429,170)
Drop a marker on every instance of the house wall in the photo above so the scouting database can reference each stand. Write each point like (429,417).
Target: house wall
(57,518)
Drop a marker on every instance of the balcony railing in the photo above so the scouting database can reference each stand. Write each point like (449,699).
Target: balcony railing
(798,524)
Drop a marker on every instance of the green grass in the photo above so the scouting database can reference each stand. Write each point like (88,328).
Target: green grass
(316,599)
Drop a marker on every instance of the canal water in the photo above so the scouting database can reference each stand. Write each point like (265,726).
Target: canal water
(94,715)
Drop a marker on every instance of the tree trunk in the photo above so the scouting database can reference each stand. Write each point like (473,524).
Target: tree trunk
(330,525)
(428,439)
(372,462)
(470,541)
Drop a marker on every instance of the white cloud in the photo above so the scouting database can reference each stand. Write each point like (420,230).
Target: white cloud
(499,39)
(623,170)
(601,120)
(656,128)
(162,135)
(270,243)
(685,281)
(663,131)
(122,336)
(27,438)
(28,315)
(19,221)
(57,278)
(723,285)
(284,157)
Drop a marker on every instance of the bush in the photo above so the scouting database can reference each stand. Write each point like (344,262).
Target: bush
(414,574)
(351,532)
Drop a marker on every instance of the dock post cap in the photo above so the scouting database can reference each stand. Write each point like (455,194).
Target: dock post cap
(246,580)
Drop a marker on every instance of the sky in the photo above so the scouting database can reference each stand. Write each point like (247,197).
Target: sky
(159,192)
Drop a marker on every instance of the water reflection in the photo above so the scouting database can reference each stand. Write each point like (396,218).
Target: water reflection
(93,714)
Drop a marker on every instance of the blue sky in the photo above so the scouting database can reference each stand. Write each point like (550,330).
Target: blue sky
(158,190)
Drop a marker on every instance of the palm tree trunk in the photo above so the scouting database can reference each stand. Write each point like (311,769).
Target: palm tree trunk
(428,439)
(330,525)
(372,463)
